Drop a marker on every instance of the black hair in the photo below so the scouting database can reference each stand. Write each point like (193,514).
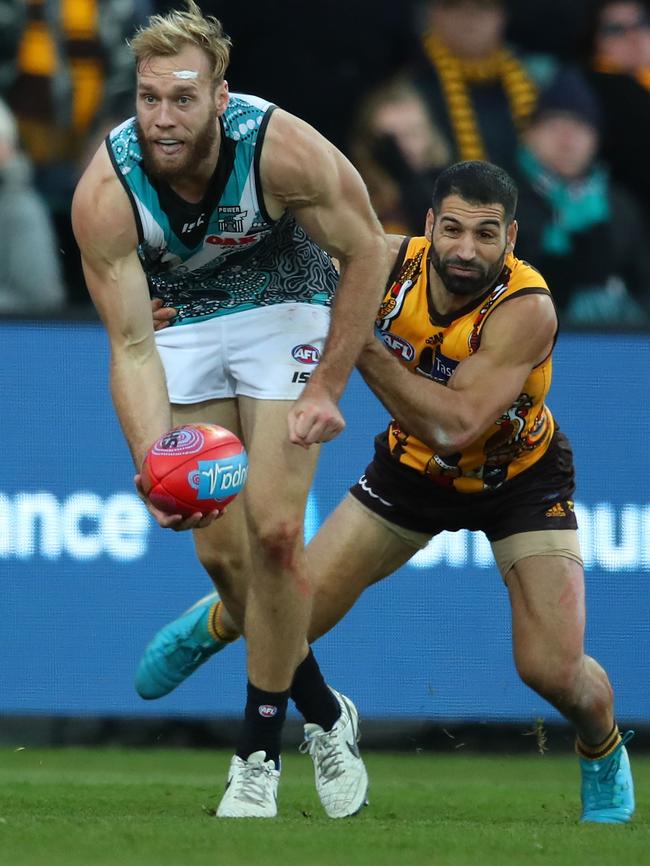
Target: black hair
(478,183)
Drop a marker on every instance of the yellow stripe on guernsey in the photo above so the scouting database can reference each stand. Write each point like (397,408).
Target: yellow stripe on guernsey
(431,345)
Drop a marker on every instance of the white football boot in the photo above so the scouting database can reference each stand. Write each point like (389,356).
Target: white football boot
(252,788)
(341,777)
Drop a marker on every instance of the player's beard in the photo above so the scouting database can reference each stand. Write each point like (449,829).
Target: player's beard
(193,153)
(481,278)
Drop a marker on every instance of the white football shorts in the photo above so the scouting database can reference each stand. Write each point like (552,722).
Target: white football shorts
(267,353)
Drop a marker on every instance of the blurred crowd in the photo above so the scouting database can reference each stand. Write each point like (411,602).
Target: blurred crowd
(555,91)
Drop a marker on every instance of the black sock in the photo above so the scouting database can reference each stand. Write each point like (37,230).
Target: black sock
(311,695)
(263,721)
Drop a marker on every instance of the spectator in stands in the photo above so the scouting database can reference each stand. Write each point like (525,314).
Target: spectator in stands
(586,234)
(398,152)
(30,280)
(479,92)
(68,79)
(620,75)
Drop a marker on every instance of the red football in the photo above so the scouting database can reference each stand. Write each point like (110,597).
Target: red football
(194,467)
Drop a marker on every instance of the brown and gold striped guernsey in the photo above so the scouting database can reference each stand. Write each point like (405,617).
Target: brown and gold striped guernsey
(431,345)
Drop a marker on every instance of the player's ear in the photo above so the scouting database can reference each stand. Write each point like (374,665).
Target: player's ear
(221,97)
(428,226)
(511,236)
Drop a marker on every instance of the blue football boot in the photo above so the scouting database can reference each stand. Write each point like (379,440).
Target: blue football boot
(177,650)
(607,788)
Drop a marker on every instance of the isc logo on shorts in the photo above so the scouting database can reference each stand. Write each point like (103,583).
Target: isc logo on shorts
(306,354)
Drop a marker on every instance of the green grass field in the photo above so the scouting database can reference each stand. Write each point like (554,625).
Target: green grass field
(71,807)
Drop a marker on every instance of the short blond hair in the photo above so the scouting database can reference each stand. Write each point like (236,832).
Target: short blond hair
(167,35)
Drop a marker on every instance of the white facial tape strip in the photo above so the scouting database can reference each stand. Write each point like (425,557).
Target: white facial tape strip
(185,74)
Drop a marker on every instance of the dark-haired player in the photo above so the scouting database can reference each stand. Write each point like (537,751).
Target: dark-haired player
(472,445)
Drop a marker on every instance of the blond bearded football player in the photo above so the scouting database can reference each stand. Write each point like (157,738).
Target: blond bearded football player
(227,208)
(472,445)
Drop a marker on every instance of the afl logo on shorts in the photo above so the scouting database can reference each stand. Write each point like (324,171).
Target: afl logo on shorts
(267,711)
(305,354)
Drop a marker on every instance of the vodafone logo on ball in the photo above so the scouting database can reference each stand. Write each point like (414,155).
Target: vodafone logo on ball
(216,479)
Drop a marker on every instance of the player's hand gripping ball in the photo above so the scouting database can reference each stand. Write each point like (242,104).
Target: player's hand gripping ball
(195,467)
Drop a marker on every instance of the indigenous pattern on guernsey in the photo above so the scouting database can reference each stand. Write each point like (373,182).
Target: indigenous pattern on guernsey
(432,345)
(223,254)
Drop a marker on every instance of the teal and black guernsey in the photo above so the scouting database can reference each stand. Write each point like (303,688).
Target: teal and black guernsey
(224,254)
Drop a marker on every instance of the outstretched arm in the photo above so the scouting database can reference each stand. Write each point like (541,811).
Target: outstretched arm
(516,337)
(304,173)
